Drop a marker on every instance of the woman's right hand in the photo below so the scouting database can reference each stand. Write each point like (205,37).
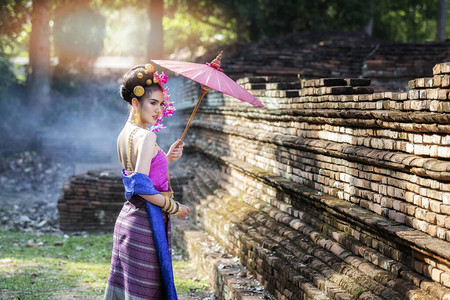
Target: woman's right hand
(183,212)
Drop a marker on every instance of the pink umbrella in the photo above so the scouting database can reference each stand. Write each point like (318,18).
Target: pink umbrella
(210,75)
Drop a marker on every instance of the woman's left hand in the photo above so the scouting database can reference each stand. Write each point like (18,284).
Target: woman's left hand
(175,151)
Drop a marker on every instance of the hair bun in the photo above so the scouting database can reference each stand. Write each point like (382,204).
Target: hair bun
(125,94)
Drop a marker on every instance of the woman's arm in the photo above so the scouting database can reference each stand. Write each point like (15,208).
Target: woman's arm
(146,148)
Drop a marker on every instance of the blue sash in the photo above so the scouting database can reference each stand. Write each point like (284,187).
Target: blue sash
(140,184)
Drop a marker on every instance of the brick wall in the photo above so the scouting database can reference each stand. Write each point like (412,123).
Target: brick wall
(331,190)
(92,201)
(319,54)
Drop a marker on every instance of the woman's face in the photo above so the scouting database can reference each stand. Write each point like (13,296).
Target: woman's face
(151,107)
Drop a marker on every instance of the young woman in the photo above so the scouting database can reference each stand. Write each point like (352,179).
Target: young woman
(141,266)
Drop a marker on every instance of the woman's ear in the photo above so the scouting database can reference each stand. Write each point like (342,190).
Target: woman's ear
(135,103)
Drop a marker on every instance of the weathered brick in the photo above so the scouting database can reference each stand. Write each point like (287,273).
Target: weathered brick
(445,279)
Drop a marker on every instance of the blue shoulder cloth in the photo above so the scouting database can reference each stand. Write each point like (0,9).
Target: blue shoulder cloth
(140,184)
(137,184)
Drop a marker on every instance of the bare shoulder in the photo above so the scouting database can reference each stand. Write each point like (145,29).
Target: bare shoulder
(145,139)
(148,138)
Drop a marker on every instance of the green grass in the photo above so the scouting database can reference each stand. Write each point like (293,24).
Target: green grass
(27,272)
(184,281)
(78,268)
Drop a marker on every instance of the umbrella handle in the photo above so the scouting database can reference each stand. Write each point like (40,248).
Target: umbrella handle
(204,91)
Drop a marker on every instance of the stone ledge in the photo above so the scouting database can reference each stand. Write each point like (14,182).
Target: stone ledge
(229,279)
(289,113)
(383,158)
(409,236)
(268,248)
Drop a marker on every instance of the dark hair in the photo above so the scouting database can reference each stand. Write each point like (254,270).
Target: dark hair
(131,80)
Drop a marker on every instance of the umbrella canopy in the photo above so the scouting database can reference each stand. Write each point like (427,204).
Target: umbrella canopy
(209,75)
(212,76)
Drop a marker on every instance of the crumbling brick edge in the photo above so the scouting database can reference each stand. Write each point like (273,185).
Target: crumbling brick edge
(227,277)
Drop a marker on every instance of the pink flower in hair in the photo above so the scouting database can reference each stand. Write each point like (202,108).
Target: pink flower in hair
(162,78)
(168,107)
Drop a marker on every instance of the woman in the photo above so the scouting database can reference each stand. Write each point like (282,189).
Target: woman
(141,266)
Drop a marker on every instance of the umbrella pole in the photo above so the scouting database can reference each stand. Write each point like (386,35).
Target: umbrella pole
(204,91)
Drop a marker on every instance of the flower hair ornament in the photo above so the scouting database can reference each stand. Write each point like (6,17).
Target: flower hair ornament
(145,75)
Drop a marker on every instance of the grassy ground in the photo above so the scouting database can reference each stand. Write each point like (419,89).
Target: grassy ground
(34,266)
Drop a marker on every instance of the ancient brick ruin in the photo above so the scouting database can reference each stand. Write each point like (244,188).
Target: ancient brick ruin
(323,54)
(330,191)
(92,201)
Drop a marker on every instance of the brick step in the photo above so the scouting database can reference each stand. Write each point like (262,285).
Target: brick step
(384,109)
(228,202)
(195,192)
(275,236)
(356,246)
(302,164)
(219,224)
(229,279)
(434,165)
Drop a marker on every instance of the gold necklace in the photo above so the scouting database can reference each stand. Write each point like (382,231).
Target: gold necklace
(136,125)
(130,146)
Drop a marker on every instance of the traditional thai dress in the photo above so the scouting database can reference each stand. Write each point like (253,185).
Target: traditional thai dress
(141,237)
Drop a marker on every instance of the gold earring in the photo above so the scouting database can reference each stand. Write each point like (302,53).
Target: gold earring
(137,117)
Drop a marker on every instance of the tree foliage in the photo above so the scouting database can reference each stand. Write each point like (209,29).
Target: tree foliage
(251,20)
(13,19)
(406,20)
(193,24)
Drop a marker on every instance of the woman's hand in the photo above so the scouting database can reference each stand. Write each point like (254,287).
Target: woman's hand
(175,151)
(183,212)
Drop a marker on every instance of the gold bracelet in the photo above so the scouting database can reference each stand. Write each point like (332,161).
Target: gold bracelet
(176,208)
(166,203)
(170,205)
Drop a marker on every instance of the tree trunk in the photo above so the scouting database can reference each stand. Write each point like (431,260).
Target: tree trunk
(441,20)
(155,44)
(39,51)
(369,27)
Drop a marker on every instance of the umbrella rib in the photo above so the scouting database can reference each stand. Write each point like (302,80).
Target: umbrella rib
(209,75)
(231,90)
(187,70)
(218,82)
(196,75)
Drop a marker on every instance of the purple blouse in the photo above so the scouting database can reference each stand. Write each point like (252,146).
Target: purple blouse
(159,172)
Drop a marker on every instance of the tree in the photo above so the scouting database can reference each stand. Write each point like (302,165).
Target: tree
(39,52)
(253,20)
(441,23)
(155,40)
(13,18)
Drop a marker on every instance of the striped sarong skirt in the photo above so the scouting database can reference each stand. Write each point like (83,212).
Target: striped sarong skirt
(135,272)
